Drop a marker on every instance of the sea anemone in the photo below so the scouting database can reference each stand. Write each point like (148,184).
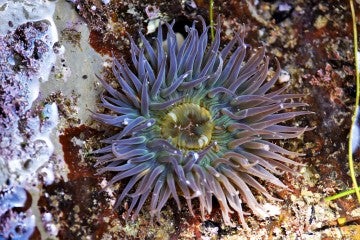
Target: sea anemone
(196,121)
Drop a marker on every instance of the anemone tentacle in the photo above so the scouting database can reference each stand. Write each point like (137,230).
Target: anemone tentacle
(197,121)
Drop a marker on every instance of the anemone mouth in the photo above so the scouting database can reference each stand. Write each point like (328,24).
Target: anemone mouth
(188,126)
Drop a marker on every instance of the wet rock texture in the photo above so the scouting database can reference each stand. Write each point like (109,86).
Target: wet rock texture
(24,128)
(21,55)
(313,42)
(16,219)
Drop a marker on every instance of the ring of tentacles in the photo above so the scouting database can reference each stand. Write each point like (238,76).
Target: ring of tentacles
(196,122)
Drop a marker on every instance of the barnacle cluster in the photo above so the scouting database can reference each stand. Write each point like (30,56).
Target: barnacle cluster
(196,121)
